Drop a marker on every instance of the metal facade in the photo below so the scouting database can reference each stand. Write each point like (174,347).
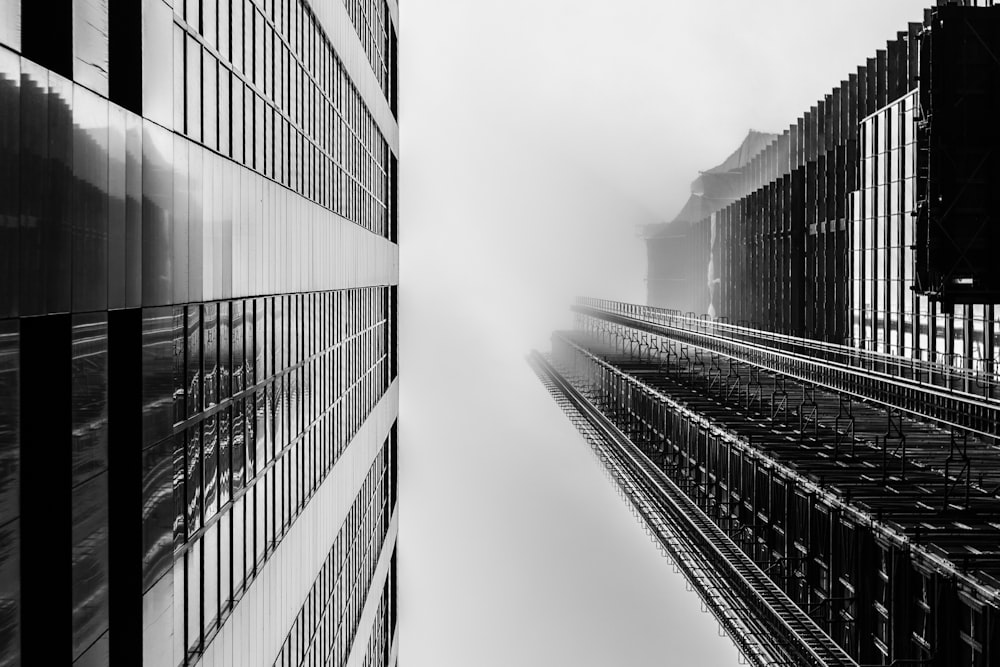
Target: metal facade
(818,452)
(198,365)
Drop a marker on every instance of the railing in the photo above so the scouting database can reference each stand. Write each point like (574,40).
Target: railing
(727,580)
(940,374)
(922,389)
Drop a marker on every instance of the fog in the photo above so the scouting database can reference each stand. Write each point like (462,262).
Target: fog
(537,136)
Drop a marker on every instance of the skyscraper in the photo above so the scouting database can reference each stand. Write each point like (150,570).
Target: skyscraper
(198,374)
(818,452)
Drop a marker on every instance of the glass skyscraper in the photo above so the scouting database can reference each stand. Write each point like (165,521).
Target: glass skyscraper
(198,392)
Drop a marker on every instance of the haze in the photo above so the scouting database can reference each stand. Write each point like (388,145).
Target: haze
(537,136)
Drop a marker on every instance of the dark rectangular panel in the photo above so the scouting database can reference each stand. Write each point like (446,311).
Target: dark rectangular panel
(47,34)
(125,54)
(957,226)
(46,481)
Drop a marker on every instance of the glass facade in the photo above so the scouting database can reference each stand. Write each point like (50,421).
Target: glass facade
(888,315)
(197,332)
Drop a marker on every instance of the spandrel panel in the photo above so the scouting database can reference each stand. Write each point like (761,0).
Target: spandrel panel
(157,374)
(179,214)
(90,203)
(90,44)
(157,204)
(9,420)
(226,228)
(116,272)
(90,395)
(194,576)
(34,186)
(10,169)
(158,511)
(90,562)
(57,235)
(10,24)
(157,61)
(195,223)
(210,589)
(158,623)
(133,210)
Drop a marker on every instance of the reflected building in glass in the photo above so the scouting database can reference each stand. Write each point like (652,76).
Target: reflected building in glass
(198,374)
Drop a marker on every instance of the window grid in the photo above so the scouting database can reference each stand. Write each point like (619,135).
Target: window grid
(371,23)
(275,97)
(268,393)
(324,629)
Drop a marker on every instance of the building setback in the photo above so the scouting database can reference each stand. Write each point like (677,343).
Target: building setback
(806,416)
(198,373)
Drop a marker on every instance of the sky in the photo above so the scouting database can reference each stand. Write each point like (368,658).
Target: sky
(537,137)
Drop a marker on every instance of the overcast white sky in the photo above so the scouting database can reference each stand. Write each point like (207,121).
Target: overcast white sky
(536,136)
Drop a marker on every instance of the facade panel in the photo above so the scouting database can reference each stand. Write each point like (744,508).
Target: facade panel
(830,428)
(203,252)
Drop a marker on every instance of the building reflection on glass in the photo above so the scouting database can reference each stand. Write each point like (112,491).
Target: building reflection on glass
(198,269)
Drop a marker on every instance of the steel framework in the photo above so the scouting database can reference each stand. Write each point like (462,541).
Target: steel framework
(864,487)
